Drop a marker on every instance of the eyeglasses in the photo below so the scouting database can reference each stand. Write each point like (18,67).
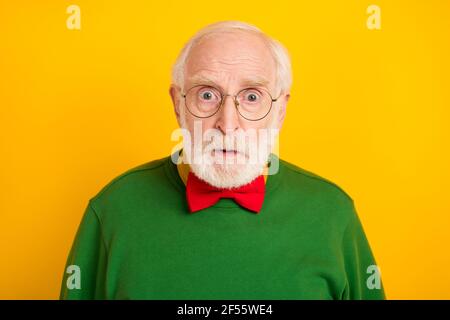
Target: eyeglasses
(203,101)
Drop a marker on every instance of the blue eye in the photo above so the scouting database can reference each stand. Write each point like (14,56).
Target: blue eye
(252,97)
(207,95)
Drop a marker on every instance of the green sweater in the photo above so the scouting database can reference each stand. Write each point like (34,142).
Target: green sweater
(137,240)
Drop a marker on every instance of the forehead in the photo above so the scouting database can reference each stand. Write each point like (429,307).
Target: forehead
(239,57)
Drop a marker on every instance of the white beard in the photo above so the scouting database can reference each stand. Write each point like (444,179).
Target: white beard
(229,172)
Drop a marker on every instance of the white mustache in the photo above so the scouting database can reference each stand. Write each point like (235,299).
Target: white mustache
(228,144)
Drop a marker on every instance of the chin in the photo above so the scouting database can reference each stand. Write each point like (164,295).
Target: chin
(228,170)
(227,175)
(224,169)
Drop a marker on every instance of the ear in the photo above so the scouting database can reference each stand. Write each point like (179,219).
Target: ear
(282,113)
(174,92)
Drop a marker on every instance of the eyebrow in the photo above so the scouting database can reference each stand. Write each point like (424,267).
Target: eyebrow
(256,81)
(247,82)
(201,80)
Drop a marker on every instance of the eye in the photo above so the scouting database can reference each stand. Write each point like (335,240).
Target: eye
(252,96)
(207,95)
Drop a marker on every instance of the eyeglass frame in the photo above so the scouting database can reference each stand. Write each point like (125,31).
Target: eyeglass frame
(222,99)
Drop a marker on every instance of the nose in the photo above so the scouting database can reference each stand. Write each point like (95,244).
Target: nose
(228,117)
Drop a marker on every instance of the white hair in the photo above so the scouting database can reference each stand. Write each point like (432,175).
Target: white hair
(279,52)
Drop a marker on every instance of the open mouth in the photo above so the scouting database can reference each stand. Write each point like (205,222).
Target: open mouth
(225,152)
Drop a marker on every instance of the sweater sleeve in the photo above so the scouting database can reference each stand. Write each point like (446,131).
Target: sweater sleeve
(363,278)
(84,273)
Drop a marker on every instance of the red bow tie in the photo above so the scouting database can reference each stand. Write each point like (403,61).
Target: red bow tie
(201,195)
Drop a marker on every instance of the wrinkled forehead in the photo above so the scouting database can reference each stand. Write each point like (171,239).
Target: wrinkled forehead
(231,58)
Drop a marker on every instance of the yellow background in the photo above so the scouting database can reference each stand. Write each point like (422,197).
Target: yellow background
(369,111)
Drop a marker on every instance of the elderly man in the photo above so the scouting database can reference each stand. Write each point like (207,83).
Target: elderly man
(223,217)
